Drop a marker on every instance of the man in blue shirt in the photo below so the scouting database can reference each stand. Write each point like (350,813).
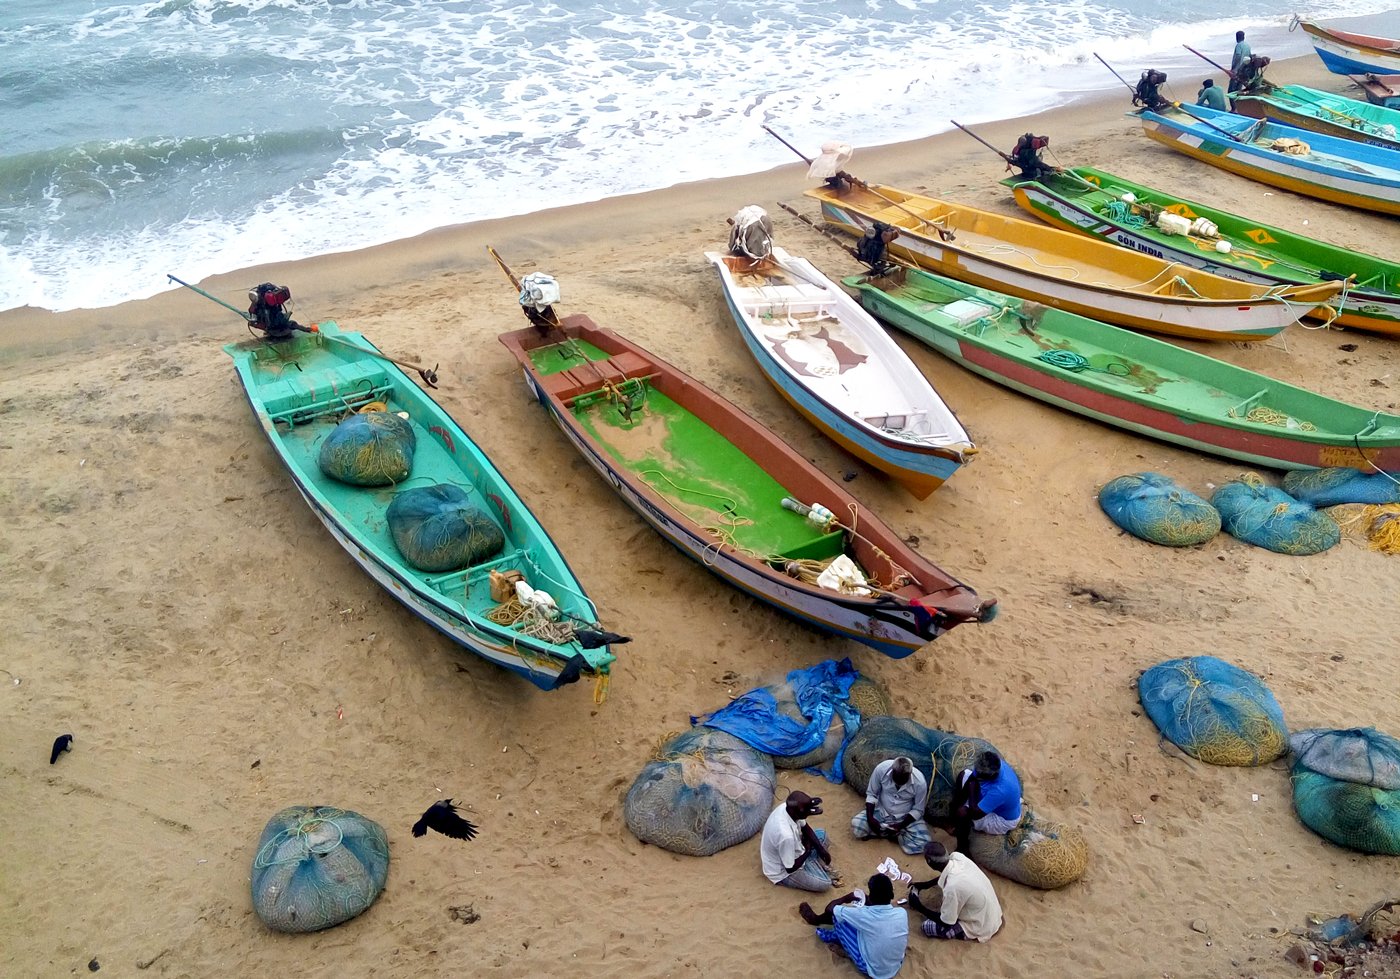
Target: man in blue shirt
(873,935)
(1211,96)
(987,798)
(1237,60)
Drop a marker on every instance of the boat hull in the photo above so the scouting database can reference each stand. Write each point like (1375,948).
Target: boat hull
(544,665)
(1382,90)
(894,628)
(919,467)
(1357,308)
(1269,107)
(1351,55)
(1320,180)
(1237,321)
(1261,445)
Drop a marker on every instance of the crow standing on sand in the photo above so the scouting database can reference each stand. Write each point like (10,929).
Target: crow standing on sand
(62,743)
(442,816)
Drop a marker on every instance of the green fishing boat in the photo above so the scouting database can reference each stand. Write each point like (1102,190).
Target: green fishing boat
(1105,205)
(1322,112)
(1130,380)
(301,388)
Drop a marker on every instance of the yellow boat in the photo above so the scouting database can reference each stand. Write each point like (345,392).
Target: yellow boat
(1068,271)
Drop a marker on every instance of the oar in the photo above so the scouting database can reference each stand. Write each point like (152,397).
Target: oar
(1131,88)
(1005,156)
(246,316)
(805,159)
(1198,54)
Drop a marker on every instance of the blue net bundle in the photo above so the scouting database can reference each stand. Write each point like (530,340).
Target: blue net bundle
(1214,711)
(1333,487)
(317,866)
(1152,507)
(1039,852)
(1346,787)
(438,528)
(372,448)
(1266,516)
(704,791)
(804,721)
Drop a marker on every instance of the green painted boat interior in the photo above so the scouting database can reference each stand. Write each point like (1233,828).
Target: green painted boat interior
(1282,253)
(695,469)
(306,386)
(1119,362)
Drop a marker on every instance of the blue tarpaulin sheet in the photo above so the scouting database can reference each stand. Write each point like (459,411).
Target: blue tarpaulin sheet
(821,691)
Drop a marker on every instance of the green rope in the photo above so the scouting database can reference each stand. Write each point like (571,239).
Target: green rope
(1122,213)
(1076,363)
(300,833)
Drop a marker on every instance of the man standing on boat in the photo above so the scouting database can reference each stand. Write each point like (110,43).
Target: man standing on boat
(1211,96)
(793,853)
(894,806)
(1238,59)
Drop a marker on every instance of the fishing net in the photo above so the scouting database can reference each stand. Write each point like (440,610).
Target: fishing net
(706,790)
(317,866)
(1266,516)
(1350,814)
(374,448)
(1152,507)
(1378,524)
(437,528)
(1038,852)
(1330,487)
(1214,711)
(939,755)
(1359,754)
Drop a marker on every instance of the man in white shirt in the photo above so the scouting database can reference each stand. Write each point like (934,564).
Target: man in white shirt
(793,853)
(970,910)
(894,806)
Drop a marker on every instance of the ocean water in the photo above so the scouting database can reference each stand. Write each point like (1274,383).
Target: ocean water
(201,136)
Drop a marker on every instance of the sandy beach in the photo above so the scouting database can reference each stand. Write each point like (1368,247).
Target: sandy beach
(171,602)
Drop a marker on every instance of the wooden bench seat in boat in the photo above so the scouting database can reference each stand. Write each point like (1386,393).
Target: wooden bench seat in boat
(575,381)
(300,393)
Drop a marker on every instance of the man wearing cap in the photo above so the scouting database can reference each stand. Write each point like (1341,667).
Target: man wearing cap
(969,909)
(895,798)
(987,798)
(1211,96)
(793,853)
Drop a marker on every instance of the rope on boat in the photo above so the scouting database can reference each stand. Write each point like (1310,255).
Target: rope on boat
(1077,363)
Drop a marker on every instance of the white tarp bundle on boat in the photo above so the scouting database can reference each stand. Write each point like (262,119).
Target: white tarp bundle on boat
(833,157)
(751,233)
(539,290)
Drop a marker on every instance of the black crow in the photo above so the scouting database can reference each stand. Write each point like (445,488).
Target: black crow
(592,639)
(62,743)
(442,816)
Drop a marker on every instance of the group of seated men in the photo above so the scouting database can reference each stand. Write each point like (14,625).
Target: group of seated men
(868,927)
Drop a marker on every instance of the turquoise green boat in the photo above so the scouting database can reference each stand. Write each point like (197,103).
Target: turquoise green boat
(1323,112)
(1104,205)
(1131,380)
(301,388)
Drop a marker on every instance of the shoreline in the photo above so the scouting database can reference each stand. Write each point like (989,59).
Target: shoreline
(177,607)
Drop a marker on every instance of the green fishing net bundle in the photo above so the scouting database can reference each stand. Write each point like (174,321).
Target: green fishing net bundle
(317,866)
(372,448)
(439,528)
(1346,787)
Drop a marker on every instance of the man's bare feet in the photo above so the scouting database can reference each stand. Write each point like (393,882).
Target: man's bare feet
(808,915)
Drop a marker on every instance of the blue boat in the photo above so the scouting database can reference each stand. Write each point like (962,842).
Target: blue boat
(838,367)
(300,388)
(1346,53)
(1326,167)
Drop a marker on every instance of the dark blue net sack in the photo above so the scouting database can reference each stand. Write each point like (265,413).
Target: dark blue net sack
(1333,487)
(704,791)
(939,755)
(438,528)
(1152,507)
(1266,516)
(1350,814)
(1359,754)
(316,867)
(1214,711)
(373,448)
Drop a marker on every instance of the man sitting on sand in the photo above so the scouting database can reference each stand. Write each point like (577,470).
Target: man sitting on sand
(894,806)
(793,853)
(873,935)
(969,909)
(1211,96)
(987,798)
